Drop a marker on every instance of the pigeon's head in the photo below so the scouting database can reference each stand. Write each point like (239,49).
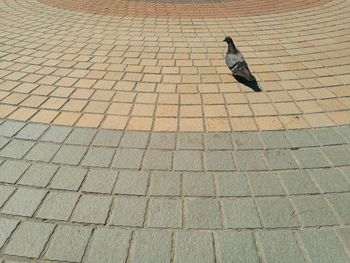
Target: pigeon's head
(228,40)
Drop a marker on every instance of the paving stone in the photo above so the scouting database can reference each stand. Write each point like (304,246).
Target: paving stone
(92,209)
(310,158)
(275,140)
(344,234)
(6,228)
(345,171)
(151,246)
(68,178)
(240,213)
(279,246)
(298,182)
(340,202)
(301,138)
(344,131)
(250,160)
(339,155)
(107,138)
(11,171)
(38,175)
(32,131)
(190,141)
(218,141)
(128,158)
(58,205)
(328,136)
(165,213)
(70,154)
(16,149)
(165,183)
(24,202)
(163,141)
(330,180)
(42,152)
(314,211)
(185,160)
(235,247)
(194,247)
(68,243)
(138,140)
(322,246)
(128,211)
(157,160)
(99,181)
(264,184)
(232,184)
(81,136)
(29,239)
(98,157)
(219,161)
(132,183)
(10,128)
(109,245)
(247,141)
(277,212)
(202,213)
(5,192)
(3,142)
(280,159)
(198,184)
(56,134)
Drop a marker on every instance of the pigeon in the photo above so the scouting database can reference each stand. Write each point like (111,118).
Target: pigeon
(239,67)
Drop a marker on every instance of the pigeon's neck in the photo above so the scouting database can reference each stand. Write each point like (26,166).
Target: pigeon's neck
(231,48)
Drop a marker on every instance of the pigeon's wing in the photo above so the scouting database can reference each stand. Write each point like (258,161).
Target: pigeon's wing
(244,72)
(232,59)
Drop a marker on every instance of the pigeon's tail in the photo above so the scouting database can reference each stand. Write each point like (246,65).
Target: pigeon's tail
(253,84)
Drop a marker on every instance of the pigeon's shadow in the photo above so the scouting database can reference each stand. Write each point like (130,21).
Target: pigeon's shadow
(251,84)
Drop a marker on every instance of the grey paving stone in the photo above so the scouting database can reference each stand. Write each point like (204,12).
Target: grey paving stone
(70,154)
(344,131)
(232,184)
(56,134)
(29,239)
(310,158)
(277,212)
(165,183)
(298,182)
(109,245)
(165,213)
(128,158)
(42,151)
(250,160)
(138,140)
(280,159)
(328,136)
(24,202)
(68,178)
(219,161)
(190,141)
(6,228)
(163,141)
(322,246)
(247,141)
(275,140)
(98,157)
(3,141)
(240,213)
(107,138)
(202,213)
(11,171)
(10,128)
(99,181)
(185,160)
(92,209)
(340,202)
(265,184)
(128,211)
(38,175)
(235,247)
(68,243)
(81,136)
(58,205)
(194,247)
(330,180)
(314,211)
(16,149)
(218,141)
(344,234)
(157,160)
(32,131)
(5,192)
(301,138)
(132,183)
(279,246)
(151,247)
(346,171)
(198,184)
(339,155)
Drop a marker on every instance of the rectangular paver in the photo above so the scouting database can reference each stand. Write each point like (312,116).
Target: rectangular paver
(81,136)
(247,141)
(340,202)
(157,160)
(250,160)
(330,180)
(138,140)
(32,131)
(16,149)
(42,151)
(165,183)
(265,184)
(56,134)
(98,157)
(5,192)
(298,182)
(280,159)
(10,128)
(218,141)
(38,175)
(6,228)
(128,211)
(128,158)
(107,138)
(99,181)
(219,161)
(11,171)
(132,183)
(232,184)
(188,160)
(68,178)
(198,184)
(165,213)
(310,158)
(70,154)
(190,141)
(164,141)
